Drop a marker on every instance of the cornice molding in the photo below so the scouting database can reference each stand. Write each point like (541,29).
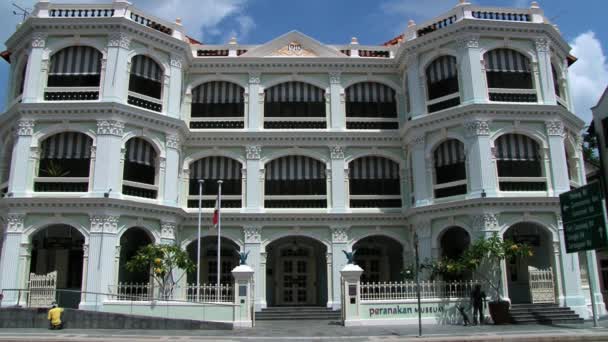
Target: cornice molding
(25,127)
(119,39)
(253,234)
(110,127)
(104,224)
(167,230)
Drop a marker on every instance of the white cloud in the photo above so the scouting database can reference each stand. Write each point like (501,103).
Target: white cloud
(589,75)
(203,19)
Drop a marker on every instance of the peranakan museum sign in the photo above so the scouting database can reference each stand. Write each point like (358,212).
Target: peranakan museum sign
(405,310)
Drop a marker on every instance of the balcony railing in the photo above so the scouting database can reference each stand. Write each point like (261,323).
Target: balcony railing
(295,122)
(228,201)
(513,95)
(450,189)
(71,94)
(61,184)
(295,201)
(444,102)
(524,184)
(137,189)
(146,21)
(407,290)
(81,13)
(375,201)
(372,123)
(206,293)
(145,102)
(502,15)
(217,123)
(439,24)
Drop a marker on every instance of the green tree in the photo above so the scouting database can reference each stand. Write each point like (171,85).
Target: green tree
(590,147)
(162,261)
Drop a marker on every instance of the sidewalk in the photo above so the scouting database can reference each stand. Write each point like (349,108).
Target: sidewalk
(327,331)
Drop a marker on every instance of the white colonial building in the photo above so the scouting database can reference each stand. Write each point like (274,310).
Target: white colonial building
(460,128)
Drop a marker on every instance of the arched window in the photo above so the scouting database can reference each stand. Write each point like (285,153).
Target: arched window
(65,160)
(74,74)
(374,183)
(218,104)
(519,164)
(454,242)
(212,169)
(130,282)
(145,83)
(295,182)
(5,166)
(20,79)
(450,169)
(509,76)
(571,164)
(371,105)
(560,92)
(381,259)
(294,105)
(442,84)
(139,177)
(229,259)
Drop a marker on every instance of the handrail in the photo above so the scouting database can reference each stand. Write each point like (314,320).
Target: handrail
(295,197)
(146,98)
(523,179)
(61,179)
(450,184)
(443,98)
(214,119)
(295,119)
(369,119)
(140,185)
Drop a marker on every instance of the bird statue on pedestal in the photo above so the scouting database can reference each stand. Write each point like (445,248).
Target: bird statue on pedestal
(350,256)
(243,257)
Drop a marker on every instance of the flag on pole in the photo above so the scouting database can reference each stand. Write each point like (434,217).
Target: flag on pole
(216,211)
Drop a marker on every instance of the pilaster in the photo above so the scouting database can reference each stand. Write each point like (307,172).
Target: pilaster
(172,167)
(253,242)
(37,70)
(24,160)
(254,191)
(173,100)
(339,243)
(115,86)
(10,270)
(557,156)
(470,70)
(421,181)
(546,86)
(339,190)
(256,102)
(422,227)
(480,161)
(338,110)
(107,169)
(415,87)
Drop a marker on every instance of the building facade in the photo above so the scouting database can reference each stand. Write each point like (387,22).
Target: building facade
(460,128)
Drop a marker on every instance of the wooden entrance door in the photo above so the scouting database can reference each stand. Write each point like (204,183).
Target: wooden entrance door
(296,278)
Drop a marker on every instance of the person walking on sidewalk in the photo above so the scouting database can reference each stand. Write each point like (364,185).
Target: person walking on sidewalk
(477,299)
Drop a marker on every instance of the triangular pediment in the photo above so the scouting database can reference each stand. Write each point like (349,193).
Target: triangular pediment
(293,44)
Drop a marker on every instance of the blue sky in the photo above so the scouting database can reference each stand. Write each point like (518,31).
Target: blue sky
(373,22)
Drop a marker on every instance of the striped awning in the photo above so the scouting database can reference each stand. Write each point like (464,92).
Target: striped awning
(506,60)
(218,92)
(217,168)
(373,168)
(450,152)
(516,147)
(442,68)
(370,92)
(295,92)
(295,168)
(140,151)
(67,145)
(146,67)
(76,60)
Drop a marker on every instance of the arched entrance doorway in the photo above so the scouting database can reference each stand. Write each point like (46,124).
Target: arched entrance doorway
(296,272)
(380,257)
(59,248)
(454,241)
(541,242)
(130,242)
(229,254)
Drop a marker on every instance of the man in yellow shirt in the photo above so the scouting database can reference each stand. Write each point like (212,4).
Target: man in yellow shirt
(54,317)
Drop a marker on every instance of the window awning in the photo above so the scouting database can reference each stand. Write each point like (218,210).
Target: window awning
(67,145)
(516,147)
(218,168)
(76,60)
(140,152)
(506,60)
(450,152)
(370,92)
(373,168)
(442,68)
(295,168)
(146,67)
(295,92)
(218,92)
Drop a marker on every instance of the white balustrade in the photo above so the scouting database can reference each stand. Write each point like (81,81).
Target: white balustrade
(407,290)
(208,293)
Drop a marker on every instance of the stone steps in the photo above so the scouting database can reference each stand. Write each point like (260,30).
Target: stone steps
(297,313)
(543,314)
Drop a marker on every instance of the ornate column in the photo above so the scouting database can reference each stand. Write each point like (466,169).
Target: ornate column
(253,241)
(421,181)
(545,71)
(473,89)
(37,68)
(339,192)
(256,101)
(415,86)
(10,271)
(330,280)
(338,110)
(425,246)
(108,166)
(102,254)
(174,94)
(171,180)
(480,160)
(24,160)
(339,243)
(85,270)
(255,190)
(572,295)
(558,172)
(25,259)
(115,86)
(486,225)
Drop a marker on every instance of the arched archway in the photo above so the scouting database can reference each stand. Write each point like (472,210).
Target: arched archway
(130,243)
(380,257)
(454,241)
(509,76)
(541,242)
(296,272)
(146,83)
(60,248)
(294,104)
(442,83)
(374,182)
(140,171)
(229,259)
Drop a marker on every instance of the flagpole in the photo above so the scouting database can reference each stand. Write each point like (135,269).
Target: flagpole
(198,239)
(219,235)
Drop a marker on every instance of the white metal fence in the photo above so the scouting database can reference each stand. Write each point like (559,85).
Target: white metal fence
(407,290)
(42,289)
(542,286)
(207,293)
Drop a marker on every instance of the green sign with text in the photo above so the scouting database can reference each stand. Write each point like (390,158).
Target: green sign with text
(584,218)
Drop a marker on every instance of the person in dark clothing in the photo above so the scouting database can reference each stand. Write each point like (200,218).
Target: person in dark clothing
(477,299)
